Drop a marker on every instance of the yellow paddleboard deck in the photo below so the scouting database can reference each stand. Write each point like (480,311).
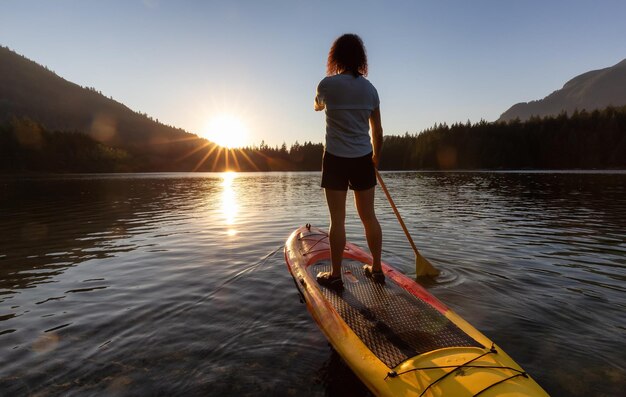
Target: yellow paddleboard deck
(397,338)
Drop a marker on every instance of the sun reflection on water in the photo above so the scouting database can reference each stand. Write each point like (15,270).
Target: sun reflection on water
(229,202)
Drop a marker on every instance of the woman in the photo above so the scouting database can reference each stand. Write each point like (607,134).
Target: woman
(350,156)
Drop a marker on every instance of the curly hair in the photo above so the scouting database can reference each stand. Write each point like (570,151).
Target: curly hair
(347,54)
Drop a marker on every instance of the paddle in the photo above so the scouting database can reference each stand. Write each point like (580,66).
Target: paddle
(422,266)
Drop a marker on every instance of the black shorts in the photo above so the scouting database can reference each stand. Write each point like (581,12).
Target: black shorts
(341,173)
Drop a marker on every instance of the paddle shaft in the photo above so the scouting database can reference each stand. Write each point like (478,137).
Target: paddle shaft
(395,211)
(422,265)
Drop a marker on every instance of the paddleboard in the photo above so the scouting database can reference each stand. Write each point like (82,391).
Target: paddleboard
(396,337)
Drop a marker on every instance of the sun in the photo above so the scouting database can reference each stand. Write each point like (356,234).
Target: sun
(227,131)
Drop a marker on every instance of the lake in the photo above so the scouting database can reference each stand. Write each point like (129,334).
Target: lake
(175,284)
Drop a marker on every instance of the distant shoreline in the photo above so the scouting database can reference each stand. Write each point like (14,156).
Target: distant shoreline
(616,171)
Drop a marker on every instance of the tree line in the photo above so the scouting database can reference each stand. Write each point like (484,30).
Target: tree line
(28,146)
(582,140)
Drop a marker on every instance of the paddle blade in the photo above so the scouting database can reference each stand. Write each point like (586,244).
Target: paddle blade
(423,267)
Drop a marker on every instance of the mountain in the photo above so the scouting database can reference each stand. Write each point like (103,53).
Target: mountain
(596,89)
(29,90)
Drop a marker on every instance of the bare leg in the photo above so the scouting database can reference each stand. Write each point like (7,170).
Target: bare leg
(336,200)
(364,201)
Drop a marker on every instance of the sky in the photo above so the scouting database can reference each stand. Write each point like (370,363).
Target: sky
(187,62)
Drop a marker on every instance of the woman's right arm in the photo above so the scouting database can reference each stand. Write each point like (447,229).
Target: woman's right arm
(320,102)
(318,105)
(377,135)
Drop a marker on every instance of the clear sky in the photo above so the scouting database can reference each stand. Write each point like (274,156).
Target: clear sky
(187,62)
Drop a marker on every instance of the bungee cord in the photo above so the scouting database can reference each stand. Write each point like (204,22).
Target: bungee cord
(492,350)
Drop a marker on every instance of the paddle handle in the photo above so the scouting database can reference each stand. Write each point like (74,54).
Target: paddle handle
(395,211)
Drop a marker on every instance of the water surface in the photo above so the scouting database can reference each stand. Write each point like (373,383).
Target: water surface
(175,284)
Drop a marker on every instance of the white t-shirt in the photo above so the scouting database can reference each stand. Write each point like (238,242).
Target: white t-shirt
(349,102)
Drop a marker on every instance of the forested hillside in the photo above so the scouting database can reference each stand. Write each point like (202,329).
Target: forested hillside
(31,92)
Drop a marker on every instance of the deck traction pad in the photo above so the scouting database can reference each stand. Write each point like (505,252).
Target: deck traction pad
(394,324)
